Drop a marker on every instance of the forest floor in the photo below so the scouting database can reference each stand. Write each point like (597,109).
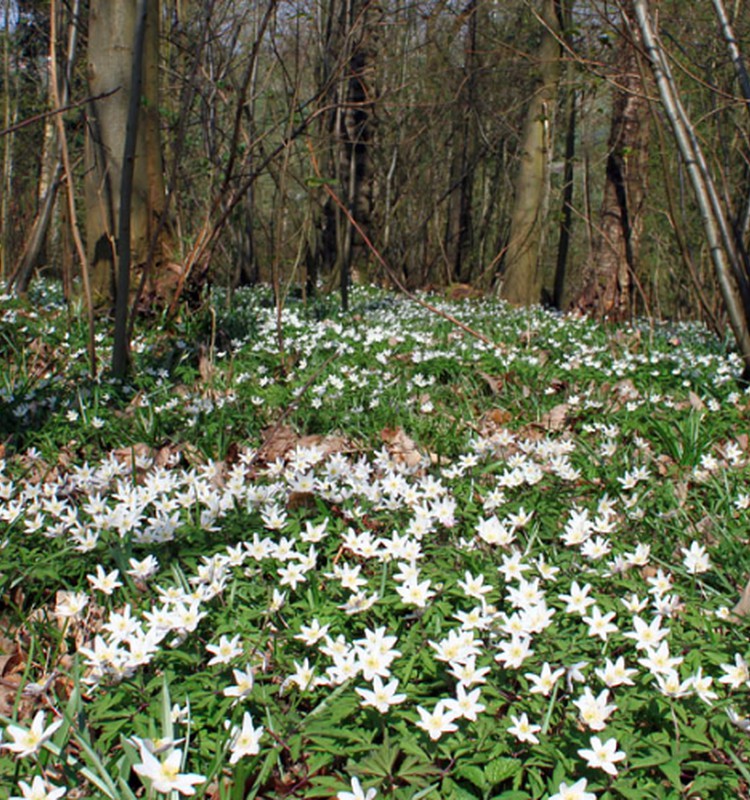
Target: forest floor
(373,554)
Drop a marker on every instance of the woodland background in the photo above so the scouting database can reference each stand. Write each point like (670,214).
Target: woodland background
(524,147)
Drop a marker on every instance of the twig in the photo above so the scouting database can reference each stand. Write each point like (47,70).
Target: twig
(391,274)
(81,252)
(39,117)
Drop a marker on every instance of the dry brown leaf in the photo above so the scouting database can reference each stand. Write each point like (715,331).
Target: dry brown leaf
(743,606)
(703,530)
(205,364)
(556,418)
(277,442)
(495,419)
(695,402)
(402,448)
(664,464)
(192,455)
(166,456)
(297,500)
(681,491)
(625,389)
(495,384)
(329,444)
(461,291)
(134,456)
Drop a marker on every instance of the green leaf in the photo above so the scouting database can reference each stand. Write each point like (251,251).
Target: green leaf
(501,769)
(655,759)
(472,774)
(313,181)
(413,769)
(452,791)
(673,770)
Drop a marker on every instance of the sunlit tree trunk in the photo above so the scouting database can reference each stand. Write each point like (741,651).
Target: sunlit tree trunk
(521,280)
(110,53)
(608,279)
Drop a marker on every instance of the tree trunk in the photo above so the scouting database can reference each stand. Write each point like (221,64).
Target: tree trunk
(726,261)
(344,75)
(609,274)
(10,114)
(110,55)
(51,173)
(521,281)
(459,228)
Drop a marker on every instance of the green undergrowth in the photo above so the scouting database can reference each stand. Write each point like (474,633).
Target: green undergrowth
(347,555)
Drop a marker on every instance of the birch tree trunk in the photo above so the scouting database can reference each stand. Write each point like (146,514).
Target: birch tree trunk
(731,278)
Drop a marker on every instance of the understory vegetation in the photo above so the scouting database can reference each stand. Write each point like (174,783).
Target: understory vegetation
(311,554)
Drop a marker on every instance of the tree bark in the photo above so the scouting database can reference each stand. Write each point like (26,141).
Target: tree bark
(10,114)
(608,278)
(521,281)
(459,228)
(110,57)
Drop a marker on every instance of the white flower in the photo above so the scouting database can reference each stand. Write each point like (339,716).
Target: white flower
(165,776)
(594,711)
(381,697)
(225,651)
(646,635)
(513,653)
(602,755)
(357,792)
(600,625)
(415,593)
(578,600)
(544,682)
(70,604)
(438,721)
(523,730)
(27,742)
(145,569)
(615,673)
(658,661)
(103,581)
(696,559)
(735,674)
(575,792)
(702,686)
(246,741)
(670,685)
(465,704)
(39,791)
(244,684)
